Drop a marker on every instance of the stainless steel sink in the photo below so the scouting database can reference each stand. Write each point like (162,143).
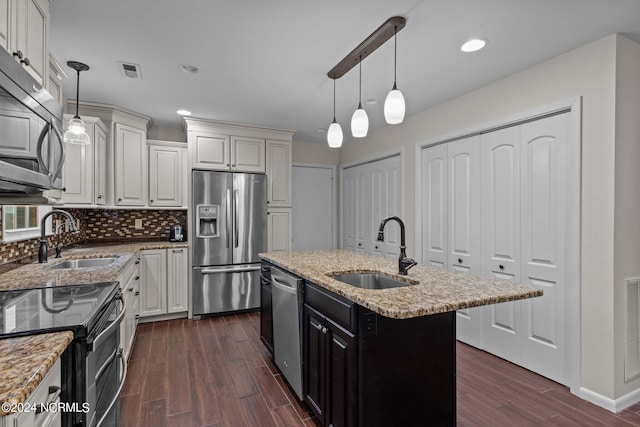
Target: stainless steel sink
(84,263)
(370,281)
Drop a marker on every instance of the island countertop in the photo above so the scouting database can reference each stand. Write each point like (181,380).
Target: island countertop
(432,290)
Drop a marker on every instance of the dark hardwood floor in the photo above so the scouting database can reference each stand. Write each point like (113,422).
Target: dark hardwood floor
(216,372)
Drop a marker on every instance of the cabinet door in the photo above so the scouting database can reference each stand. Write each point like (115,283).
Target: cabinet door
(434,205)
(31,36)
(500,216)
(78,170)
(211,151)
(128,283)
(315,366)
(279,229)
(178,276)
(341,381)
(279,173)
(247,154)
(153,286)
(100,164)
(165,176)
(130,166)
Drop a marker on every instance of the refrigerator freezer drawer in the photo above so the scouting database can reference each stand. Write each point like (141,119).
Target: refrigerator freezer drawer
(223,289)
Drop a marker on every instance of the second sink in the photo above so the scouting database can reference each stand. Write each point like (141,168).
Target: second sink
(370,281)
(84,263)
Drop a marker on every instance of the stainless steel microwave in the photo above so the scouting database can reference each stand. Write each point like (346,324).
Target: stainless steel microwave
(31,145)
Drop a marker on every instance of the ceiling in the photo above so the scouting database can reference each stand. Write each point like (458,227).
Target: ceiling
(265,63)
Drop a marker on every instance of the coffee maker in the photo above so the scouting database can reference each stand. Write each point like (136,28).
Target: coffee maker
(177,234)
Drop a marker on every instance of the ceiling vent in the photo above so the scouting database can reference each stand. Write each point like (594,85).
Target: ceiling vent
(128,69)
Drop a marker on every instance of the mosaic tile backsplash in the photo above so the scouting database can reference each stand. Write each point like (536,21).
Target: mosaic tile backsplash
(101,225)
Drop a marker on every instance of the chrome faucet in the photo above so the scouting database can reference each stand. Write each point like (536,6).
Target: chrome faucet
(404,263)
(43,253)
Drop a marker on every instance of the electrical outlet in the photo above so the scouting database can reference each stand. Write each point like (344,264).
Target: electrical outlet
(138,225)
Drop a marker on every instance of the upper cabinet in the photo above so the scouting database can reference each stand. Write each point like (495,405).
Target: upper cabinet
(167,173)
(56,77)
(130,165)
(24,33)
(279,172)
(228,152)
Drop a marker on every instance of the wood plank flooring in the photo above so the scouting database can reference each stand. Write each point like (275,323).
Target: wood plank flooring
(216,372)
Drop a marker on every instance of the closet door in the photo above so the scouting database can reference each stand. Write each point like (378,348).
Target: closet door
(355,214)
(386,201)
(544,198)
(500,219)
(434,206)
(463,213)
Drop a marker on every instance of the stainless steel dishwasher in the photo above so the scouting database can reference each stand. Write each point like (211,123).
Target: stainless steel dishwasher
(286,295)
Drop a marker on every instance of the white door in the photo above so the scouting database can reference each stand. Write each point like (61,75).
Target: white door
(313,208)
(463,219)
(357,218)
(500,216)
(434,206)
(386,199)
(544,202)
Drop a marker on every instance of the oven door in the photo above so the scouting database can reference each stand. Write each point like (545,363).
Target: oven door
(106,368)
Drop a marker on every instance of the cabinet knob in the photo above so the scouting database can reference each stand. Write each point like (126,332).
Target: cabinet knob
(137,293)
(177,251)
(151,201)
(137,316)
(501,267)
(324,330)
(99,197)
(119,200)
(460,260)
(25,61)
(376,246)
(137,277)
(18,54)
(137,261)
(359,244)
(130,289)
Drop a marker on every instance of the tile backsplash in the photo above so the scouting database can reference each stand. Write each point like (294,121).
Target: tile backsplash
(101,225)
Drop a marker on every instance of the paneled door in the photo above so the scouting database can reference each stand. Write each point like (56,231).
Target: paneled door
(434,205)
(463,219)
(386,201)
(313,211)
(500,220)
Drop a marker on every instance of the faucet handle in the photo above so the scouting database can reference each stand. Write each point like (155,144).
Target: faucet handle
(407,263)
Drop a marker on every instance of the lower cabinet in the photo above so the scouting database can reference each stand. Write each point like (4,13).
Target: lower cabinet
(330,371)
(279,229)
(47,393)
(130,287)
(164,276)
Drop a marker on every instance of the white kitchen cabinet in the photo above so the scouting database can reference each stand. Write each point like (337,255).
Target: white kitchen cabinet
(100,175)
(177,274)
(228,152)
(247,154)
(48,393)
(279,171)
(164,276)
(55,79)
(24,33)
(130,287)
(82,169)
(279,229)
(131,180)
(167,173)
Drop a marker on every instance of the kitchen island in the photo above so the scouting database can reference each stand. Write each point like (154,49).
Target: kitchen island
(381,356)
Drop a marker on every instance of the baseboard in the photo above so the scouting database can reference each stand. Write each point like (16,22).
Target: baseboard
(612,405)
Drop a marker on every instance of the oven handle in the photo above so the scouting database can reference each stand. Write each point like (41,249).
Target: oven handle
(106,364)
(122,380)
(115,324)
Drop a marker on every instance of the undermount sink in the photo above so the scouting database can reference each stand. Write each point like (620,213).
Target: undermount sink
(84,263)
(370,281)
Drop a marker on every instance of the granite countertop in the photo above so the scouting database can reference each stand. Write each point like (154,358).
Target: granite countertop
(432,290)
(37,275)
(25,361)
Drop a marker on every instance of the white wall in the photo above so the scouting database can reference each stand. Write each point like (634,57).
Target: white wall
(588,72)
(627,192)
(312,152)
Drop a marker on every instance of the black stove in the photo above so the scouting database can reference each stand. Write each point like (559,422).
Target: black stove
(61,308)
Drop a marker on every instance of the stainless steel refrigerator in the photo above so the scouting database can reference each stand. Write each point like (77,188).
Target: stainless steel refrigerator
(230,229)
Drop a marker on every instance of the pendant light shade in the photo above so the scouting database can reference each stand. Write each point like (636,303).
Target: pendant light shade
(360,120)
(76,132)
(334,134)
(394,106)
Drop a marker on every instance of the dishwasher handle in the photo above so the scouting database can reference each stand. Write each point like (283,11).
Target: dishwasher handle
(283,286)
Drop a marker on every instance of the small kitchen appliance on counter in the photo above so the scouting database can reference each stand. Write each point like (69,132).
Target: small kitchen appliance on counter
(177,234)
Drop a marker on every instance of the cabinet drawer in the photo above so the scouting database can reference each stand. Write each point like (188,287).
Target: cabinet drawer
(47,393)
(339,309)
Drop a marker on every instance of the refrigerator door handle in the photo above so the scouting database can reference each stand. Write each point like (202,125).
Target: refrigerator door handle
(228,217)
(235,215)
(234,269)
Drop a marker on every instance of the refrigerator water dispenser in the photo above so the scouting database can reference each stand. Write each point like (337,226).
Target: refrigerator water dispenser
(207,220)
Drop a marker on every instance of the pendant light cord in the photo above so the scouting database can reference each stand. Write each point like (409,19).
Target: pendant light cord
(77,116)
(334,100)
(395,56)
(360,85)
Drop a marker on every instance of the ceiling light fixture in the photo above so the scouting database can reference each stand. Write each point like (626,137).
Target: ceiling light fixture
(473,45)
(76,132)
(184,112)
(394,106)
(334,134)
(359,120)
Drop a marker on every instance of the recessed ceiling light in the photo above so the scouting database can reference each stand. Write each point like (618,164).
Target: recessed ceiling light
(321,130)
(189,69)
(473,45)
(184,112)
(371,101)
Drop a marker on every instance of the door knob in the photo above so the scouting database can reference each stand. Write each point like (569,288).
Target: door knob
(460,260)
(501,267)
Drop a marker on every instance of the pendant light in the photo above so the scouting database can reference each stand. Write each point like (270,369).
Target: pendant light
(359,120)
(334,134)
(76,132)
(394,106)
